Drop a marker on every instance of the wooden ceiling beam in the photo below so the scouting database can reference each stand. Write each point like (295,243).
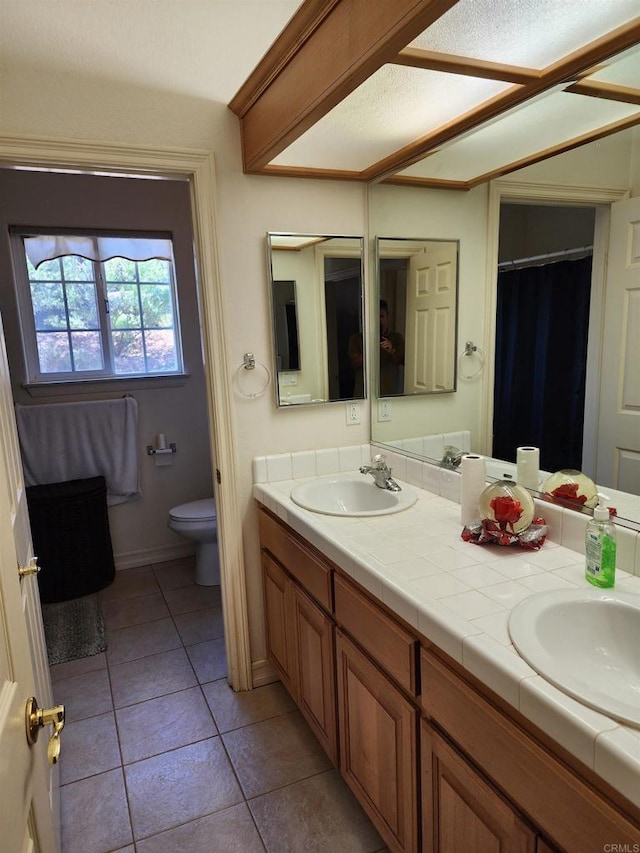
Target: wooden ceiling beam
(325,53)
(566,69)
(607,91)
(431,60)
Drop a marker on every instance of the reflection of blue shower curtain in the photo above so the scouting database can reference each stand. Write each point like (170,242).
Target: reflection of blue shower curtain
(541,351)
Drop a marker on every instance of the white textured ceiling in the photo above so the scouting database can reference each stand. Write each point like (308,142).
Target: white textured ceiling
(199,48)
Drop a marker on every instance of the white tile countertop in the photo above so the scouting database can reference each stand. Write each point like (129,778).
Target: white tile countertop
(459,596)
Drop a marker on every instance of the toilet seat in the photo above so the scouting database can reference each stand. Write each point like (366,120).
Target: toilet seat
(203,510)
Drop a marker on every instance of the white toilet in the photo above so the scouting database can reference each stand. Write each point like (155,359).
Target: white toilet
(197,521)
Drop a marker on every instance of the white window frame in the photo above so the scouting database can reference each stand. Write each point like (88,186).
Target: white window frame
(34,375)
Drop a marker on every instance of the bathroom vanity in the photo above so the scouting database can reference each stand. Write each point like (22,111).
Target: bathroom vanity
(436,757)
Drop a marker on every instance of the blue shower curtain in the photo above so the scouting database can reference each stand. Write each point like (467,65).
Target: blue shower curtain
(541,353)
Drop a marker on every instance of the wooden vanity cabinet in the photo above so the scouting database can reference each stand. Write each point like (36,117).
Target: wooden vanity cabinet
(523,774)
(378,746)
(460,811)
(436,763)
(299,633)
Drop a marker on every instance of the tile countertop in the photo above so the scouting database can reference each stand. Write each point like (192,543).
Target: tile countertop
(459,596)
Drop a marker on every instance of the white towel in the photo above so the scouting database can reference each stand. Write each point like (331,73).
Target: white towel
(72,441)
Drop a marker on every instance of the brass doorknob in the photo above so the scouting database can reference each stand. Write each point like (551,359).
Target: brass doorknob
(37,718)
(32,569)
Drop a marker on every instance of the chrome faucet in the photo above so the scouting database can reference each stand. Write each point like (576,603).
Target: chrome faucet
(381,474)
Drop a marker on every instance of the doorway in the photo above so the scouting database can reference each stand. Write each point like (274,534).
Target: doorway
(198,169)
(542,331)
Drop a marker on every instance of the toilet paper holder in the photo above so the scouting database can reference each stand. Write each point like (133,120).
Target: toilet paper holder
(151,451)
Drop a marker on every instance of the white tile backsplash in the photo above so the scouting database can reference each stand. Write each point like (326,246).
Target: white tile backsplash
(304,464)
(279,467)
(349,459)
(328,461)
(259,470)
(573,530)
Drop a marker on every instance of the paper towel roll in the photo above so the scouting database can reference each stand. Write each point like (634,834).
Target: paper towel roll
(528,467)
(473,470)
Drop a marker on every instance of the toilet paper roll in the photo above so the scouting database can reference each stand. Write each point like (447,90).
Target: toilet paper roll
(161,441)
(473,470)
(528,467)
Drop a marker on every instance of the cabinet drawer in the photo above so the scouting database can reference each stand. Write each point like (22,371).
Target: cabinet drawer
(393,648)
(312,574)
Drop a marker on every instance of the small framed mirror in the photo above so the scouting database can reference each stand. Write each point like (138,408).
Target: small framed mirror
(316,287)
(418,303)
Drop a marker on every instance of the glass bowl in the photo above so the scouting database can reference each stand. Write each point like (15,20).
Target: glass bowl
(570,487)
(507,505)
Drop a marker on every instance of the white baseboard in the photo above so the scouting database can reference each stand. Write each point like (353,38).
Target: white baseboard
(160,554)
(262,672)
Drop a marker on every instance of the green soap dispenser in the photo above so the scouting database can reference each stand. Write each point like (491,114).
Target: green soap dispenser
(600,547)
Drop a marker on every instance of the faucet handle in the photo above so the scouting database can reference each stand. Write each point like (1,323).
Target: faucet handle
(379,460)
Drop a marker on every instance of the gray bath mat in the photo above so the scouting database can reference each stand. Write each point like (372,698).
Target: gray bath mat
(74,629)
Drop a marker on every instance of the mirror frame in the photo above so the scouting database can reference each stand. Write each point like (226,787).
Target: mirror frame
(311,241)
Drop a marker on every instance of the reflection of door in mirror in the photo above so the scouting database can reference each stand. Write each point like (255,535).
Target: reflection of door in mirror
(542,332)
(286,326)
(418,287)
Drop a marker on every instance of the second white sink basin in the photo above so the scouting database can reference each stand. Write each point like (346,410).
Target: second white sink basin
(353,496)
(587,643)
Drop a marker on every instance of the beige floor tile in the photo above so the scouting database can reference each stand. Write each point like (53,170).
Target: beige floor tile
(95,818)
(273,753)
(89,747)
(150,677)
(123,612)
(228,831)
(318,814)
(175,573)
(186,599)
(234,710)
(138,641)
(200,626)
(130,583)
(180,786)
(78,667)
(165,723)
(208,660)
(84,695)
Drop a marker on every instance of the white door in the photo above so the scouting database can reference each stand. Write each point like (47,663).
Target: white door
(430,326)
(28,799)
(618,451)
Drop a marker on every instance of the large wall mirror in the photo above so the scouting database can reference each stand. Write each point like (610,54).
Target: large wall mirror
(316,288)
(418,300)
(512,231)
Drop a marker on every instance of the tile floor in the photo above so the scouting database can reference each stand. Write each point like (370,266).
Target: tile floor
(159,755)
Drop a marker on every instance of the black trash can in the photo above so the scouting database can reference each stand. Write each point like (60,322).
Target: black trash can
(71,538)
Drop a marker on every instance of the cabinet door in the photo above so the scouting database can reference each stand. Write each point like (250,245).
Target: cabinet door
(460,811)
(378,728)
(279,621)
(315,665)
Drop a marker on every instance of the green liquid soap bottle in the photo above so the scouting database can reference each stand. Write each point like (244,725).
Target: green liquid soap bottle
(600,547)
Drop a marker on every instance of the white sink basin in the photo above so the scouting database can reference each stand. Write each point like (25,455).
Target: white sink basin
(355,496)
(587,643)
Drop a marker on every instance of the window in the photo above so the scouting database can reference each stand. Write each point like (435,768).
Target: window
(98,307)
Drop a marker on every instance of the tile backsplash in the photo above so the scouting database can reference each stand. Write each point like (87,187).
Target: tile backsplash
(566,527)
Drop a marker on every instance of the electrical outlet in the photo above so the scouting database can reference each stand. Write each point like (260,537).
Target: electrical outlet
(353,414)
(384,411)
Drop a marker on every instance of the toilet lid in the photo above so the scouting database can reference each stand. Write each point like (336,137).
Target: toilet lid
(203,510)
